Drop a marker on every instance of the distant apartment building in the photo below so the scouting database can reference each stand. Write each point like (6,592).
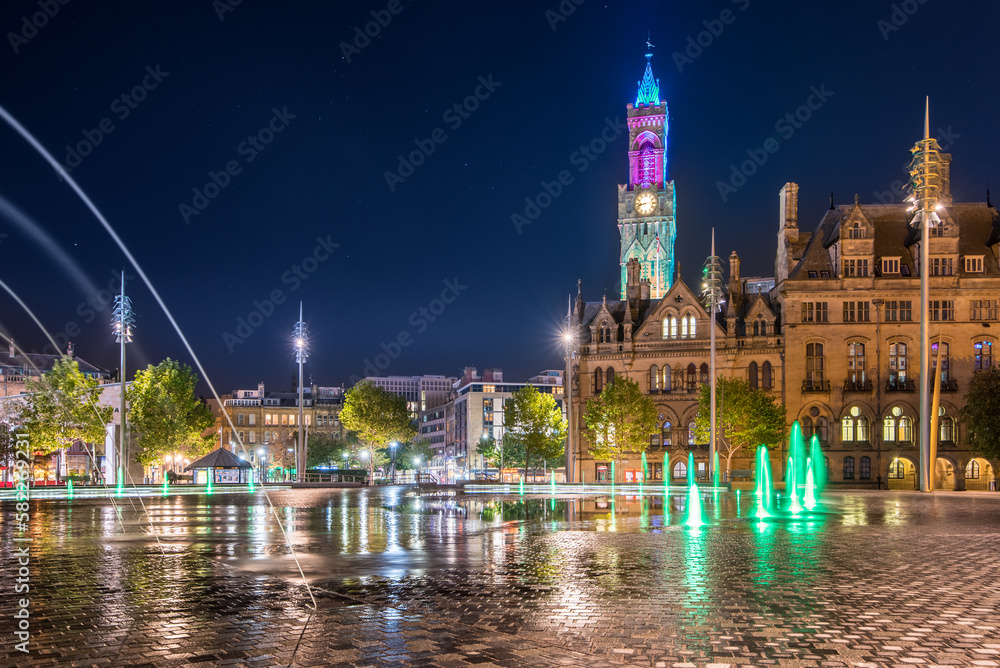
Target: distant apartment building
(476,413)
(421,392)
(265,420)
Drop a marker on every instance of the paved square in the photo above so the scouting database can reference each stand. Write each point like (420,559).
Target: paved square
(888,579)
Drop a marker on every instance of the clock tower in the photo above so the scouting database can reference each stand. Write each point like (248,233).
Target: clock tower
(646,203)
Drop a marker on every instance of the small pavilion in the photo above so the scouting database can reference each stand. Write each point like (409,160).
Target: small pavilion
(221,466)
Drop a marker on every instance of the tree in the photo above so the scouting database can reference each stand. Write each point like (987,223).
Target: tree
(534,426)
(620,420)
(981,413)
(744,418)
(62,408)
(324,450)
(166,414)
(377,417)
(409,454)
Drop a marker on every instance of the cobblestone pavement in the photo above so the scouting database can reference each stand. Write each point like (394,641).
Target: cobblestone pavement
(888,579)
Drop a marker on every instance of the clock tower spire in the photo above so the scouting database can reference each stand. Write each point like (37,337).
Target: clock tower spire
(646,203)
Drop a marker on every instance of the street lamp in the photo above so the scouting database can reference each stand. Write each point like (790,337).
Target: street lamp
(260,457)
(301,337)
(925,186)
(122,324)
(712,293)
(392,449)
(569,339)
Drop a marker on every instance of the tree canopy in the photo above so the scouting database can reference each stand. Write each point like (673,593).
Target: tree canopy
(166,414)
(620,421)
(62,408)
(981,413)
(534,428)
(744,418)
(324,450)
(377,417)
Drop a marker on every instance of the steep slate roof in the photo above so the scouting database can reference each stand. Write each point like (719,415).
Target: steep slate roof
(978,228)
(220,459)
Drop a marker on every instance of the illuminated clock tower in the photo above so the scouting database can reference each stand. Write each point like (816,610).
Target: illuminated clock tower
(646,203)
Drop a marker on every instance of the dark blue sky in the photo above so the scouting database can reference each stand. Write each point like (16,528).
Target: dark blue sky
(340,126)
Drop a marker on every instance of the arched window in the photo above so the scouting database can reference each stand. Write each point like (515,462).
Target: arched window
(814,365)
(905,429)
(598,380)
(983,352)
(673,326)
(610,377)
(666,328)
(946,429)
(684,327)
(691,326)
(752,375)
(647,166)
(666,434)
(666,378)
(848,468)
(765,376)
(862,432)
(807,427)
(847,429)
(692,378)
(897,365)
(888,428)
(972,470)
(822,429)
(897,469)
(605,332)
(654,379)
(865,468)
(763,328)
(704,373)
(756,328)
(856,364)
(944,361)
(680,470)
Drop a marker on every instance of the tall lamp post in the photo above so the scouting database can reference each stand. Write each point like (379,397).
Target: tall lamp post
(392,449)
(925,186)
(569,339)
(712,292)
(122,324)
(301,337)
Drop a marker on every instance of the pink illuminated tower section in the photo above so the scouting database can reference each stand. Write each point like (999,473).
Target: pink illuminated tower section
(646,203)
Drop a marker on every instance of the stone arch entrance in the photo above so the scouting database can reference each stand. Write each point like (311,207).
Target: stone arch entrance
(979,475)
(901,473)
(944,474)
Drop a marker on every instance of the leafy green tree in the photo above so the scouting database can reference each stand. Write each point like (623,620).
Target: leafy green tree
(377,418)
(620,421)
(744,418)
(166,414)
(534,427)
(62,408)
(409,453)
(981,413)
(324,450)
(499,453)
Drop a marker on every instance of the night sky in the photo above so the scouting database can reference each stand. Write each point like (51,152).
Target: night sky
(308,134)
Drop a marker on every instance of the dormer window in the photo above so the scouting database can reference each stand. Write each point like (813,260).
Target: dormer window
(605,333)
(890,265)
(856,231)
(974,264)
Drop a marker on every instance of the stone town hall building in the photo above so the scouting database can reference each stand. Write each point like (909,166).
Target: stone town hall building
(836,339)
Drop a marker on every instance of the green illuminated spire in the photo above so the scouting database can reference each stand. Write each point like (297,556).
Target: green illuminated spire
(649,88)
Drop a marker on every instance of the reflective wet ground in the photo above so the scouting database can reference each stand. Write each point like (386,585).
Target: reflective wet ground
(453,580)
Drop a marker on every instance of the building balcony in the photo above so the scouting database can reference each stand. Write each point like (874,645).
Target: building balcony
(897,385)
(813,385)
(858,386)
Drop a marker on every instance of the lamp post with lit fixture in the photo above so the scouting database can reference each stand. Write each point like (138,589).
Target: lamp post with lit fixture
(925,186)
(122,324)
(569,342)
(301,337)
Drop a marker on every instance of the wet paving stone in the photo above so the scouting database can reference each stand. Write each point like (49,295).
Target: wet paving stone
(876,580)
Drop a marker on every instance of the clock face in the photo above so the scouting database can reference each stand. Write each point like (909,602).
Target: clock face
(644,203)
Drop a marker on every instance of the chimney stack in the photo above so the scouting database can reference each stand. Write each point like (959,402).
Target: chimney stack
(735,291)
(789,216)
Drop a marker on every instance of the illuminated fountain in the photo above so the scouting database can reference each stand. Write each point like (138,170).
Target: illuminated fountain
(694,515)
(765,487)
